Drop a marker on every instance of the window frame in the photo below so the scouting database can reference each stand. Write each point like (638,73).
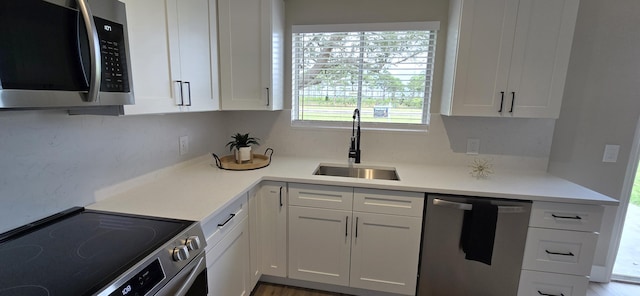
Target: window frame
(364,27)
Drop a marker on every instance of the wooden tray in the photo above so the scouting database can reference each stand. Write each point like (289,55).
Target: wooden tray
(229,162)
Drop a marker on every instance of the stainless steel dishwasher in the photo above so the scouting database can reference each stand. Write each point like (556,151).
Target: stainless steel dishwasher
(444,270)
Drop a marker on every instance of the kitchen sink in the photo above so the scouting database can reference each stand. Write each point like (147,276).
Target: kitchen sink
(380,173)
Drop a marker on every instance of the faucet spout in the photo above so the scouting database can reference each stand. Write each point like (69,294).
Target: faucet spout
(354,149)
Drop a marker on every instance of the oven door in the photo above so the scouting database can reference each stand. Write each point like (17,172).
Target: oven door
(190,281)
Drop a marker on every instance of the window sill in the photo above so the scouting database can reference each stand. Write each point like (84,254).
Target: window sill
(392,127)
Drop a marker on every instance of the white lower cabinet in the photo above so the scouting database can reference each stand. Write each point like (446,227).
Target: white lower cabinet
(384,252)
(331,242)
(228,260)
(273,228)
(535,283)
(560,246)
(228,263)
(255,254)
(319,245)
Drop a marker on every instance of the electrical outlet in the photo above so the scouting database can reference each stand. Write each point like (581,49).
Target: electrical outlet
(473,146)
(184,145)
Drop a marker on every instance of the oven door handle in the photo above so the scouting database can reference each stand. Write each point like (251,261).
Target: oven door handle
(192,277)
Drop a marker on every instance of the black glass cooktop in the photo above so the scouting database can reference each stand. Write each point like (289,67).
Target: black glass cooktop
(80,253)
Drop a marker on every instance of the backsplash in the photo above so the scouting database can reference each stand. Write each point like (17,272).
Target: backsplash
(509,143)
(52,161)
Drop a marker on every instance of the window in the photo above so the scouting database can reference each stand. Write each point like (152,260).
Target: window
(385,70)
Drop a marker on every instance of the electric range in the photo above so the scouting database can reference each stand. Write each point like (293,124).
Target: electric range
(87,252)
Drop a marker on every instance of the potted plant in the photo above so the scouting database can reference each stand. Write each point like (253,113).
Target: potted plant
(242,145)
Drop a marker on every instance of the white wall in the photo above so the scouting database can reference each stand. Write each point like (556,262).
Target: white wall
(601,102)
(50,161)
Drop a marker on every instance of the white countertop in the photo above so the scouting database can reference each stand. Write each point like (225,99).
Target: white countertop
(197,189)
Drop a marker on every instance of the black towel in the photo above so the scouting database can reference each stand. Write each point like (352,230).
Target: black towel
(479,231)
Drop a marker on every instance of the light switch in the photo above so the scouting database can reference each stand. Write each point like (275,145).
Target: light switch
(611,153)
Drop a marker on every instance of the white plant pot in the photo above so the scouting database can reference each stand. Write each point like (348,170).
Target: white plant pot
(243,154)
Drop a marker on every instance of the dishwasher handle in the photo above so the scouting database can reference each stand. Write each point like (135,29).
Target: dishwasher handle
(468,207)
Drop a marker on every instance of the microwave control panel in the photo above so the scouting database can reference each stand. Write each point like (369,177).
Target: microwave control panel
(112,50)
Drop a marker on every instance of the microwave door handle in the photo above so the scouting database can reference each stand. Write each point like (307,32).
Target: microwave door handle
(94,49)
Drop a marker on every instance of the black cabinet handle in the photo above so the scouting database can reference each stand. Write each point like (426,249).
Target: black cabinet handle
(181,97)
(501,101)
(576,217)
(545,294)
(561,254)
(513,99)
(189,91)
(356,227)
(346,227)
(268,97)
(281,196)
(226,221)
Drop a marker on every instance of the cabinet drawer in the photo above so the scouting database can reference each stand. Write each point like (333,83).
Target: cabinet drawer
(559,251)
(321,196)
(535,283)
(218,226)
(388,202)
(566,216)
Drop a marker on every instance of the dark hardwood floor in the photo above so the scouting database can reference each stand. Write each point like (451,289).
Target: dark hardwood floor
(268,289)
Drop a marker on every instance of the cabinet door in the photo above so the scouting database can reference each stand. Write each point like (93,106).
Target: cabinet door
(228,263)
(150,67)
(249,31)
(319,245)
(478,65)
(255,245)
(190,52)
(385,252)
(543,37)
(273,207)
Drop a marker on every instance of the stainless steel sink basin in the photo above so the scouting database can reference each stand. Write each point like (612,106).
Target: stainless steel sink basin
(358,172)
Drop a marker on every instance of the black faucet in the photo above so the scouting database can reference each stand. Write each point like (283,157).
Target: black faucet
(354,149)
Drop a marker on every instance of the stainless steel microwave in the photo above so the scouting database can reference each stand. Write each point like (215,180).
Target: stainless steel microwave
(64,54)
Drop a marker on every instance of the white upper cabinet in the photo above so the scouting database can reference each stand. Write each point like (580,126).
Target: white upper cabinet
(148,43)
(192,32)
(173,51)
(251,49)
(507,57)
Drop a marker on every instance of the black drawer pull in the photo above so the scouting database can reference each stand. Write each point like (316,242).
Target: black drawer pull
(501,101)
(227,221)
(545,294)
(281,196)
(576,217)
(556,253)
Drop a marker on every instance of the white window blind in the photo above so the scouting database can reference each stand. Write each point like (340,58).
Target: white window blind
(385,70)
